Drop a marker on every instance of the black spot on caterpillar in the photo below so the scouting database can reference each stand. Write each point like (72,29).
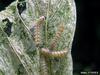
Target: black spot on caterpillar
(56,54)
(57,36)
(37,30)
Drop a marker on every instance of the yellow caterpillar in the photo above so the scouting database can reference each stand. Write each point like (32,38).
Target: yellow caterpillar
(57,36)
(56,54)
(37,30)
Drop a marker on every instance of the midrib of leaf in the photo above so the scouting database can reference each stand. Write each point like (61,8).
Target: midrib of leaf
(47,17)
(38,8)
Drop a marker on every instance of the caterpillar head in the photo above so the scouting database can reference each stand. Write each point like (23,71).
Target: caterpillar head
(40,20)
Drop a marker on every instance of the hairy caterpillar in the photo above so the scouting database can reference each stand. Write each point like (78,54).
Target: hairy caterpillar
(37,30)
(57,36)
(55,54)
(43,66)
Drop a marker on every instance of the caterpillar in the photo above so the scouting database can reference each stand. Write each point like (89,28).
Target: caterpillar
(57,36)
(56,54)
(37,30)
(43,66)
(37,38)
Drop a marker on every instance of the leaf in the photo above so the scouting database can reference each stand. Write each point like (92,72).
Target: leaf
(18,53)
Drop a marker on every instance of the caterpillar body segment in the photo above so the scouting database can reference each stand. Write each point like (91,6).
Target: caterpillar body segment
(55,54)
(37,30)
(43,66)
(37,35)
(57,36)
(58,54)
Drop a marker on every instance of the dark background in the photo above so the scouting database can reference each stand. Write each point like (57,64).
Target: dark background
(86,44)
(4,3)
